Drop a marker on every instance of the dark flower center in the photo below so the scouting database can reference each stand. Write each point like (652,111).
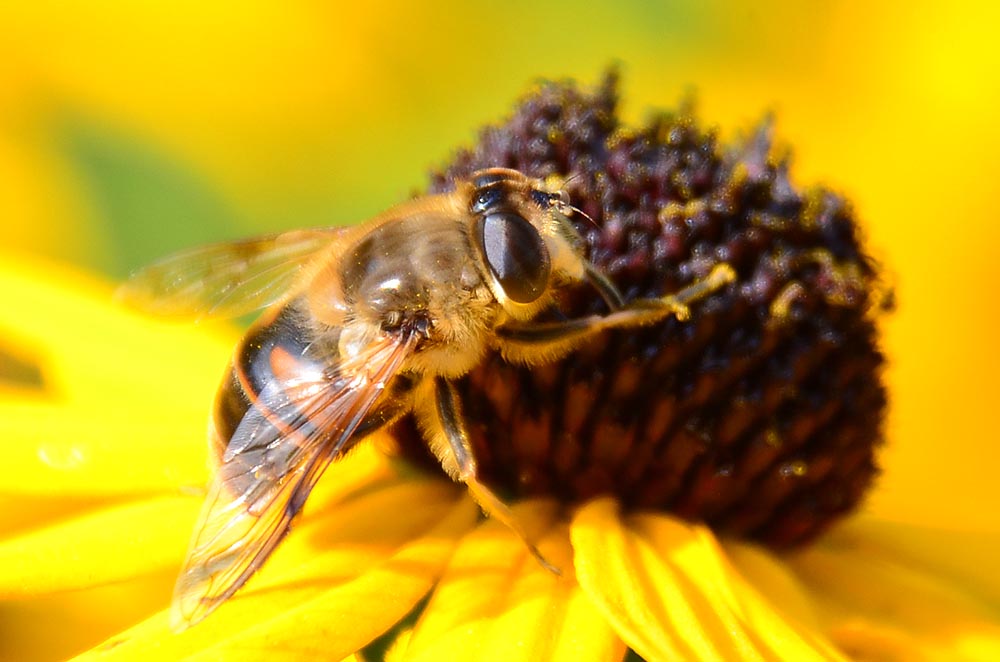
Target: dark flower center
(761,414)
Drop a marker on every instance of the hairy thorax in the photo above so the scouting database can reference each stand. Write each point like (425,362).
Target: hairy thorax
(393,283)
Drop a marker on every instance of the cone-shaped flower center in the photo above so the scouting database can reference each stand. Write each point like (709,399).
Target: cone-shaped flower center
(761,413)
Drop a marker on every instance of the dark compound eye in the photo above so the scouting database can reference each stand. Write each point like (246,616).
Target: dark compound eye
(516,255)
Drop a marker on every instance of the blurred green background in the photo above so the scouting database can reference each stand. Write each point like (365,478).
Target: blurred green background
(128,130)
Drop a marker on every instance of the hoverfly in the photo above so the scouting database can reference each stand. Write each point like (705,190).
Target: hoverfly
(363,325)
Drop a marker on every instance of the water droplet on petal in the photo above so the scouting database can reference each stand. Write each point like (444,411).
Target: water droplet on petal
(64,457)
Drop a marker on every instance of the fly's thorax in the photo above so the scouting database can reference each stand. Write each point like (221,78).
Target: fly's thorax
(417,274)
(448,269)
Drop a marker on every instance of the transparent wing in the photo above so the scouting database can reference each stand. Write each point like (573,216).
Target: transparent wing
(279,450)
(226,279)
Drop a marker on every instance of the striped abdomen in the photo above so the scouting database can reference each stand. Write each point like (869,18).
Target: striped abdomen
(258,392)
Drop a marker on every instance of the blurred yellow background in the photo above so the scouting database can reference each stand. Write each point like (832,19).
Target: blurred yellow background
(128,130)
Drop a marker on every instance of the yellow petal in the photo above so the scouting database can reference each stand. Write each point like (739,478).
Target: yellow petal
(770,576)
(72,450)
(671,594)
(58,626)
(337,583)
(100,547)
(396,652)
(19,514)
(739,604)
(98,352)
(656,613)
(897,600)
(861,640)
(124,399)
(966,556)
(496,602)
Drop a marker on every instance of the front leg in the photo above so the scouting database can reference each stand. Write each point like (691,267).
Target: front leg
(449,440)
(534,342)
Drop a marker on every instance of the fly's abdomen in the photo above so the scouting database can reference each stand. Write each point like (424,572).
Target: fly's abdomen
(266,408)
(231,404)
(254,390)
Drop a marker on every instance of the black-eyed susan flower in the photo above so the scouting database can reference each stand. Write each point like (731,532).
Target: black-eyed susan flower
(688,479)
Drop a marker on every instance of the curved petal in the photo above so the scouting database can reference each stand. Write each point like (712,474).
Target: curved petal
(57,626)
(862,640)
(112,544)
(70,450)
(123,400)
(671,594)
(968,557)
(96,361)
(772,577)
(873,598)
(496,602)
(341,579)
(614,573)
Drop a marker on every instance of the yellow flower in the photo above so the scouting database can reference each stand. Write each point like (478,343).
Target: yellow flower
(101,484)
(102,412)
(104,477)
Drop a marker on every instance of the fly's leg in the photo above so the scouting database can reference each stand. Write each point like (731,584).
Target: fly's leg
(612,297)
(449,417)
(529,341)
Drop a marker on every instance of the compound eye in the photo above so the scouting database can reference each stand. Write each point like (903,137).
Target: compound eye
(516,255)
